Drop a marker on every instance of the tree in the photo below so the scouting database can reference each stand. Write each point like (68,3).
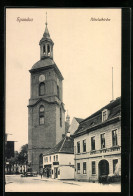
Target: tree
(22,157)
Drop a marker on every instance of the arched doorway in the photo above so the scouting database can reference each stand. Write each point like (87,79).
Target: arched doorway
(103,170)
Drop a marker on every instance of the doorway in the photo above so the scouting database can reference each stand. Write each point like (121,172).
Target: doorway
(56,172)
(103,170)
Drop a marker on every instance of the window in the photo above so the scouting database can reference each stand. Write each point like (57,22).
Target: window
(78,168)
(93,143)
(44,51)
(48,49)
(103,140)
(84,167)
(104,115)
(114,137)
(56,157)
(84,145)
(41,88)
(41,115)
(115,161)
(93,167)
(58,92)
(60,118)
(50,159)
(78,147)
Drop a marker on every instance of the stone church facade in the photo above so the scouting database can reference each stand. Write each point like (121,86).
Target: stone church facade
(46,113)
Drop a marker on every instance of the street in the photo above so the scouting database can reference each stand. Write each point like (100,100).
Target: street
(16,183)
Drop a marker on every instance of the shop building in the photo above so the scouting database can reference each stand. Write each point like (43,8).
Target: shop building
(59,161)
(97,144)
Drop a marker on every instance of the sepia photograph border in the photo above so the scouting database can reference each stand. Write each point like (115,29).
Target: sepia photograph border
(126,105)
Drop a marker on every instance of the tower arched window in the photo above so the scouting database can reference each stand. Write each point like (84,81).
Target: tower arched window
(60,117)
(41,88)
(44,50)
(48,49)
(58,92)
(41,115)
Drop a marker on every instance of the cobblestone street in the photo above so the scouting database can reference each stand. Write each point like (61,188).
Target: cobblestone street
(16,183)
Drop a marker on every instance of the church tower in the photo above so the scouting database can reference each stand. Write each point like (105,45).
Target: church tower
(46,113)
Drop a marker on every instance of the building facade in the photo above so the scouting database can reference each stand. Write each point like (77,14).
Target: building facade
(46,113)
(59,161)
(97,144)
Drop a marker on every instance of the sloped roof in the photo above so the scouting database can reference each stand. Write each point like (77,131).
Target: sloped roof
(79,119)
(43,63)
(66,146)
(95,119)
(46,63)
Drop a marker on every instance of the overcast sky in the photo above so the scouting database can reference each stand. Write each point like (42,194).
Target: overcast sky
(84,50)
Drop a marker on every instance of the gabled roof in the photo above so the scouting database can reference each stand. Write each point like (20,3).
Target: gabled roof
(66,146)
(79,119)
(92,122)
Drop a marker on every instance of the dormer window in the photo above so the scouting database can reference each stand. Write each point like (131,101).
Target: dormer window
(104,115)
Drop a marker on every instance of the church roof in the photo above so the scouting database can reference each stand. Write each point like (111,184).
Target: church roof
(66,146)
(94,121)
(43,63)
(46,63)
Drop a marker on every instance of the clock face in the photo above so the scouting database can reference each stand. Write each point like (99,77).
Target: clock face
(41,78)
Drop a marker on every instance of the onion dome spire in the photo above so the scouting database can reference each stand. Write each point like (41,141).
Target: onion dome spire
(46,44)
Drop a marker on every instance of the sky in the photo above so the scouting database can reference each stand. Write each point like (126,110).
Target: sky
(84,50)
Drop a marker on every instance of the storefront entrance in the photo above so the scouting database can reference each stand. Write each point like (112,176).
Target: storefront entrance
(56,172)
(47,171)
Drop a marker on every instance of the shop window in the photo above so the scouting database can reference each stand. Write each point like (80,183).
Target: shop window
(78,147)
(93,167)
(93,143)
(78,168)
(84,167)
(84,145)
(103,140)
(114,137)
